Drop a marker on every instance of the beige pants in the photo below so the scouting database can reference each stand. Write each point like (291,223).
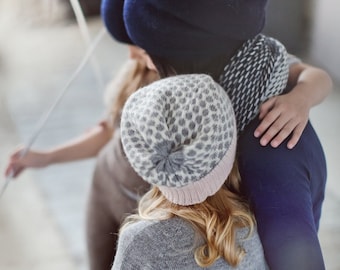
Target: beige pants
(111,199)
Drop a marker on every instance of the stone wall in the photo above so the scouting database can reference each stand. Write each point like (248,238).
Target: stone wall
(325,36)
(308,28)
(289,21)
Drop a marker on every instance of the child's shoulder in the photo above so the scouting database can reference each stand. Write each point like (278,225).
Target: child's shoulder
(157,243)
(164,228)
(173,233)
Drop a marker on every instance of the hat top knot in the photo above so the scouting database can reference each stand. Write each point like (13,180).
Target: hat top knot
(166,160)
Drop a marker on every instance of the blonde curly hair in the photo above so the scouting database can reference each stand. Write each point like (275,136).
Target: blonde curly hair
(133,75)
(216,219)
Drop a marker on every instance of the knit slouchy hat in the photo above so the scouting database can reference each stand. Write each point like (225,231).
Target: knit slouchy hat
(179,134)
(184,29)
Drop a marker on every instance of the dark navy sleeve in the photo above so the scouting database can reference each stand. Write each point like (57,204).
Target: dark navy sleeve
(286,190)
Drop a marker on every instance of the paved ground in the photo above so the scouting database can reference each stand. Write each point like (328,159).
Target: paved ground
(42,214)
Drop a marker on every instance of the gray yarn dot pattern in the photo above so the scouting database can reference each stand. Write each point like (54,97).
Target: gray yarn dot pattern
(176,130)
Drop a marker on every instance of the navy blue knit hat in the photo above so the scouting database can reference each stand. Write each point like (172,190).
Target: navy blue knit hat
(112,15)
(184,29)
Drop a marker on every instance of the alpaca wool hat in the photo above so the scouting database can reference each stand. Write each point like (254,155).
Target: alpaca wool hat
(179,134)
(184,29)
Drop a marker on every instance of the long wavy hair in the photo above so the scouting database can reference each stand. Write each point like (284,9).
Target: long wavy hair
(216,219)
(133,75)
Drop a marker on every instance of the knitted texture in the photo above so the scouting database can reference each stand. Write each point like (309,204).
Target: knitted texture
(184,29)
(179,133)
(257,72)
(112,15)
(171,243)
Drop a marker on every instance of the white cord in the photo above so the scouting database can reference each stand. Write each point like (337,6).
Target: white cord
(45,117)
(8,179)
(84,30)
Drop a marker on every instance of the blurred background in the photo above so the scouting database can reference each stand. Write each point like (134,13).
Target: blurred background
(41,45)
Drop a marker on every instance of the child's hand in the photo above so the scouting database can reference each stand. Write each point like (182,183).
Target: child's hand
(288,114)
(32,159)
(282,116)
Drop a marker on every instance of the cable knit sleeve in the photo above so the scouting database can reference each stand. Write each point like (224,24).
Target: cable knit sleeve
(258,71)
(293,59)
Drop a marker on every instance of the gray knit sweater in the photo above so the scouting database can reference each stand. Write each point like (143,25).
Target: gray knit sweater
(170,244)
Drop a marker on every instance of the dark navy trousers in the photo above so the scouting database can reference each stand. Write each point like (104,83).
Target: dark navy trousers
(286,191)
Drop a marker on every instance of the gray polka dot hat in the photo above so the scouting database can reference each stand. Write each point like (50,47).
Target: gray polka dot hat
(179,134)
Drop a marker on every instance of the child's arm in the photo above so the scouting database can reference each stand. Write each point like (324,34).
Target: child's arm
(85,146)
(288,114)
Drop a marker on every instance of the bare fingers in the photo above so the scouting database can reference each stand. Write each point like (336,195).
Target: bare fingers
(280,131)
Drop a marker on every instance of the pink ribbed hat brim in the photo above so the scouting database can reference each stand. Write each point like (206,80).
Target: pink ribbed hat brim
(199,190)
